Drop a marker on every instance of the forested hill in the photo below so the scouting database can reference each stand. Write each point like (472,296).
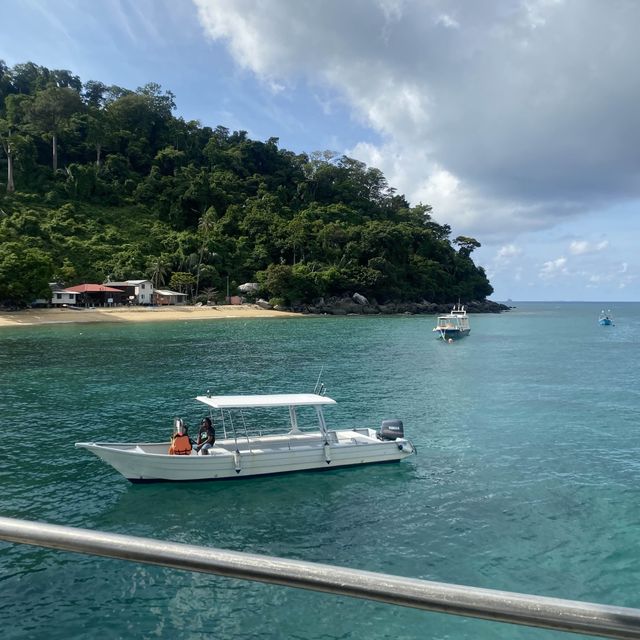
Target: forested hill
(100,182)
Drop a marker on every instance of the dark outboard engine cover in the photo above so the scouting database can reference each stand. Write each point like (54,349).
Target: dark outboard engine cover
(391,430)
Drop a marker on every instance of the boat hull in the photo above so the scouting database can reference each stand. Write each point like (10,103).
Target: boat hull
(605,322)
(250,458)
(454,334)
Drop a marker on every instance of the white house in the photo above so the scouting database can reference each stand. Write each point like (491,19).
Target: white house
(143,290)
(62,297)
(137,291)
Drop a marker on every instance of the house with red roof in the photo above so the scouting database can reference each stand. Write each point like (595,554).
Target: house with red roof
(88,295)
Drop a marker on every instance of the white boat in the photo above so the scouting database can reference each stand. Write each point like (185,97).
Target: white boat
(241,454)
(605,319)
(453,325)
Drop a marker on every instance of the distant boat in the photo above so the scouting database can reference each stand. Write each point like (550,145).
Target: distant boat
(453,325)
(605,319)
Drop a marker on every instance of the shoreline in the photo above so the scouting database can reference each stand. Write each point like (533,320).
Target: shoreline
(36,317)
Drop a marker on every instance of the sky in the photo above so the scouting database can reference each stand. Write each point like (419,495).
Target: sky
(518,121)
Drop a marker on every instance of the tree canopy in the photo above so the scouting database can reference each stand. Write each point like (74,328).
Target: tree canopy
(105,182)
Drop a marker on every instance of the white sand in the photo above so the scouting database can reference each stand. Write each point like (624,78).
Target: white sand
(137,314)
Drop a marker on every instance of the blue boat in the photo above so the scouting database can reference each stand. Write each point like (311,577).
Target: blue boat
(454,325)
(605,319)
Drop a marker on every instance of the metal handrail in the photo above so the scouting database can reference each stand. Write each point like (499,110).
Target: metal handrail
(489,604)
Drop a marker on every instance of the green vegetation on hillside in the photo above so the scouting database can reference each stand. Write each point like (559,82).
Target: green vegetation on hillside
(99,182)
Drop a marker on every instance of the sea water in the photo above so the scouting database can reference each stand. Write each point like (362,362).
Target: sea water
(526,478)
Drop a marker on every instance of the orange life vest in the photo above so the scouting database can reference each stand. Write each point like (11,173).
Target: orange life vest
(180,446)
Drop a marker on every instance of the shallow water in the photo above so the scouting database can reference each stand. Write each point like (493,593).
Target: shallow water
(525,478)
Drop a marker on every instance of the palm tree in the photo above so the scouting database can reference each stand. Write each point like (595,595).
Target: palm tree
(212,294)
(158,268)
(205,227)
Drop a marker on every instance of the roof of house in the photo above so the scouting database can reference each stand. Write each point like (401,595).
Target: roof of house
(93,288)
(167,292)
(127,283)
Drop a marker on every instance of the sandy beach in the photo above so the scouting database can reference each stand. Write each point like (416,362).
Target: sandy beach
(30,317)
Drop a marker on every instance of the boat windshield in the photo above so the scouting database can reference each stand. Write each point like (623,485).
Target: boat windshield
(446,322)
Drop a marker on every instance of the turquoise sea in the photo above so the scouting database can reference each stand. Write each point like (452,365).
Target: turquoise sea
(526,478)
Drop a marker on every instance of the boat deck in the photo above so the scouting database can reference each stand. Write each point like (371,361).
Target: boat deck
(256,444)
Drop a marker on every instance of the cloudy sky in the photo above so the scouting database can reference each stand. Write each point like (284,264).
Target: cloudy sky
(517,120)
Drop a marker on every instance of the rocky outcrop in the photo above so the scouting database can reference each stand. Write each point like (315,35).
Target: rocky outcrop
(361,306)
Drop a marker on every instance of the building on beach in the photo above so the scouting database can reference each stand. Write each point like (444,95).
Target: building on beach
(135,291)
(90,295)
(164,297)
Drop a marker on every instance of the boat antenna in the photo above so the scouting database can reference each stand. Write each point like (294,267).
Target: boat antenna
(318,386)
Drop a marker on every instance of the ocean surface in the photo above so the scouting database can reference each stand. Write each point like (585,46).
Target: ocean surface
(526,478)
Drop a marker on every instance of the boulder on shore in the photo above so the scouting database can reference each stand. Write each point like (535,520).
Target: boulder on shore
(353,305)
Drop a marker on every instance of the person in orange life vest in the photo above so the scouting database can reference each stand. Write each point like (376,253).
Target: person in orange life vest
(206,437)
(180,441)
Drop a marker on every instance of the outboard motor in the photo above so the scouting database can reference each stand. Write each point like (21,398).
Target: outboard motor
(391,430)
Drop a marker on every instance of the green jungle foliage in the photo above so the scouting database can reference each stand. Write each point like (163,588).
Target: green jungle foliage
(99,182)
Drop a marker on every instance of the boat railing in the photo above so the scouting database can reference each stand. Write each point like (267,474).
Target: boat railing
(246,431)
(224,424)
(489,604)
(232,426)
(229,420)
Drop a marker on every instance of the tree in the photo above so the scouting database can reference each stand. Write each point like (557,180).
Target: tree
(8,142)
(466,244)
(182,281)
(29,77)
(157,269)
(24,273)
(64,79)
(94,94)
(205,226)
(10,138)
(290,284)
(6,84)
(51,110)
(211,294)
(97,131)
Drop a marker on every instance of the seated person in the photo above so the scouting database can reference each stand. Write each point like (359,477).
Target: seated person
(206,437)
(180,441)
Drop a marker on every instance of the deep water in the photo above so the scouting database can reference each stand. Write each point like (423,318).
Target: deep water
(526,477)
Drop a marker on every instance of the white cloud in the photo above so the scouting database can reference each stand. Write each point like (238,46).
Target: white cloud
(508,252)
(612,275)
(554,268)
(503,261)
(448,21)
(582,247)
(506,120)
(505,256)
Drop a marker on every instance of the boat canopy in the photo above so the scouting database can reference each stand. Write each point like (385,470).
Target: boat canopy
(272,400)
